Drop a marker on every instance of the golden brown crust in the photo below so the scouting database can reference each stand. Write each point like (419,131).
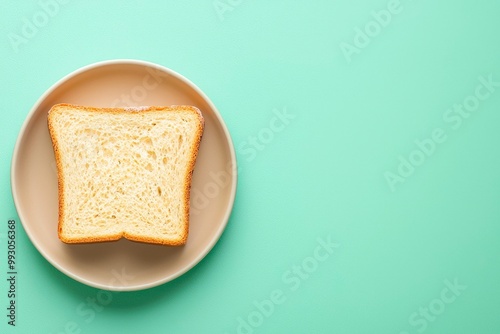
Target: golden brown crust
(187,183)
(60,183)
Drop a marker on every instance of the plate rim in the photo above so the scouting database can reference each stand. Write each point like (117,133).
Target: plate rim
(224,221)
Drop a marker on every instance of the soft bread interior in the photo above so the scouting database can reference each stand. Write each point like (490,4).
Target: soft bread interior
(125,173)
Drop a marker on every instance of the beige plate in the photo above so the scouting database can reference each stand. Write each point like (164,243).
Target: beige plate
(123,265)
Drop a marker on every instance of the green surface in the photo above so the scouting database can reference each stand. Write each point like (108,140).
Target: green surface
(416,247)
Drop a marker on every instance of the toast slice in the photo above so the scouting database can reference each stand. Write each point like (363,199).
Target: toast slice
(124,172)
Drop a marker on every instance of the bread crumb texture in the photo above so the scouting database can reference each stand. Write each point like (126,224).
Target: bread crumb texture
(125,174)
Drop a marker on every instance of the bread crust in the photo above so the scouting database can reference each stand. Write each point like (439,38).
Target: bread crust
(187,183)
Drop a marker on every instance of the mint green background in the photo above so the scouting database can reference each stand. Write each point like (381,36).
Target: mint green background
(323,175)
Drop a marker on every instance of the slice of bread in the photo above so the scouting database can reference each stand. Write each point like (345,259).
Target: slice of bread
(124,172)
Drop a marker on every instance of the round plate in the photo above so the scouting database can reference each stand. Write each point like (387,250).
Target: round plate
(123,265)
